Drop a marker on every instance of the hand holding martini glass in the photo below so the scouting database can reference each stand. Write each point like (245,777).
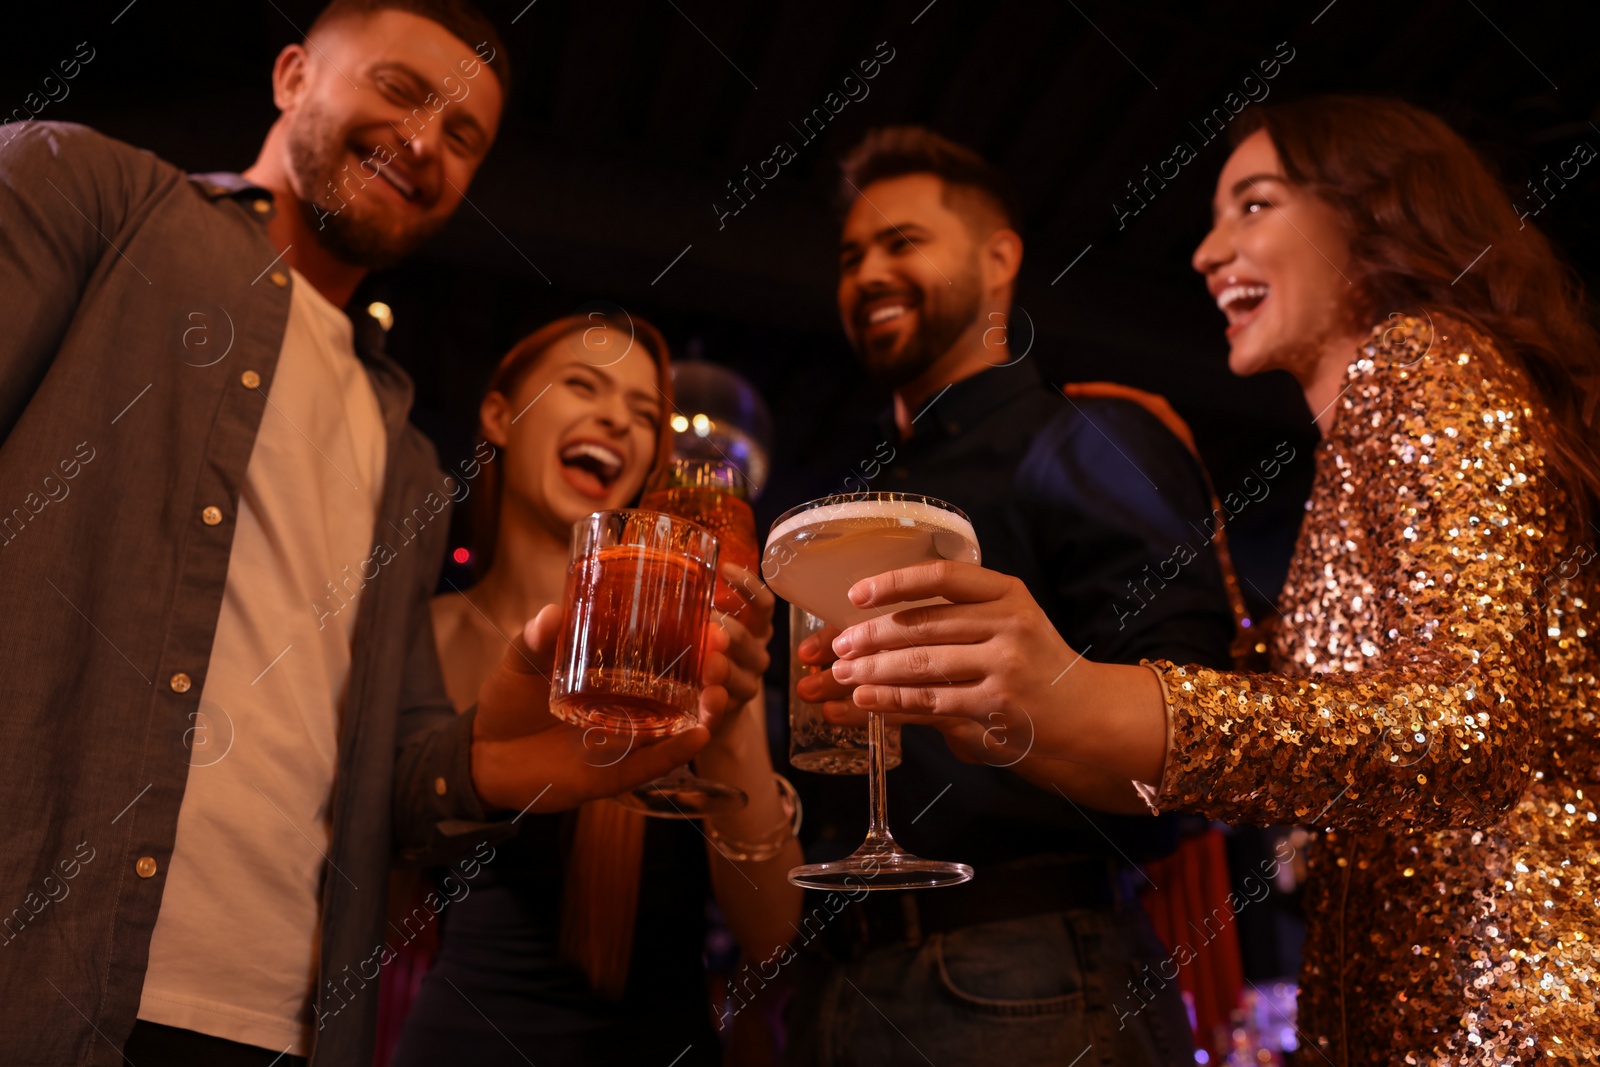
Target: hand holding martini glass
(815,553)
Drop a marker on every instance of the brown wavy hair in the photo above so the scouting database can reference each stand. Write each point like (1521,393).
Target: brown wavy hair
(484,515)
(1419,205)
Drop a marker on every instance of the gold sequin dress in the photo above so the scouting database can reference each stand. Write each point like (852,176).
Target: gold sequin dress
(1432,710)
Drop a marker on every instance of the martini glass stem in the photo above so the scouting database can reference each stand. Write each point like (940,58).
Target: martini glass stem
(878,839)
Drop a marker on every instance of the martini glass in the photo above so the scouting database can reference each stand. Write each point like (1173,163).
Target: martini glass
(713,494)
(815,553)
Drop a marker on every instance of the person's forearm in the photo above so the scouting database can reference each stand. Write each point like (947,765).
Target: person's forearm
(1084,784)
(757,899)
(755,895)
(737,756)
(494,776)
(550,770)
(1110,717)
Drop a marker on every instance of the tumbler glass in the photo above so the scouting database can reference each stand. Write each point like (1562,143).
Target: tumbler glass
(711,492)
(638,599)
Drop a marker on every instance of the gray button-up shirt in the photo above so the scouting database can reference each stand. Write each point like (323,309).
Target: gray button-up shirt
(142,312)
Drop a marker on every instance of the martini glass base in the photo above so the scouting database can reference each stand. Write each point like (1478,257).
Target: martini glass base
(684,798)
(880,866)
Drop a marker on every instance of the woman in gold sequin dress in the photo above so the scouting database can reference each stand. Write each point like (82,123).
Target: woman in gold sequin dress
(1432,706)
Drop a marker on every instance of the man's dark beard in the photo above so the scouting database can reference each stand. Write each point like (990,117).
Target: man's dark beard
(333,208)
(943,315)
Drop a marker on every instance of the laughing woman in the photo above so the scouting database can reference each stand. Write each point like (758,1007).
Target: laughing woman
(1433,704)
(581,942)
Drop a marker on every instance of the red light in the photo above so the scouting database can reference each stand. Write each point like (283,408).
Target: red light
(461,555)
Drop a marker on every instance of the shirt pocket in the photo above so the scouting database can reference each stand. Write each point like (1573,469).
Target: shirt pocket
(1019,968)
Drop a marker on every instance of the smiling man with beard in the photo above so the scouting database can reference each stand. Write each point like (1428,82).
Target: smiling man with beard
(1074,497)
(244,767)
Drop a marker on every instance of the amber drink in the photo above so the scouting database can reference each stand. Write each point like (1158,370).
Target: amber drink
(638,599)
(714,495)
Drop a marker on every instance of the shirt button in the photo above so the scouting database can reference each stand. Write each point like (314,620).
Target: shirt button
(262,206)
(279,278)
(146,867)
(439,786)
(211,515)
(250,379)
(180,682)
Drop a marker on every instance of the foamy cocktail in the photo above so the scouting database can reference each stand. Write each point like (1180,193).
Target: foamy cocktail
(814,554)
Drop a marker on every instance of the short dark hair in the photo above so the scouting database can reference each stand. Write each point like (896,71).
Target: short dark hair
(896,151)
(460,17)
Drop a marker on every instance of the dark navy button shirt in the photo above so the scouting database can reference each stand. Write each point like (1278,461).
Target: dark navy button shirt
(1095,505)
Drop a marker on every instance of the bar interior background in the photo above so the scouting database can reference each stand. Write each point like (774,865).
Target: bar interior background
(632,121)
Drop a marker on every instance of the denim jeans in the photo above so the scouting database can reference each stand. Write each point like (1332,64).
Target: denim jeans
(1046,989)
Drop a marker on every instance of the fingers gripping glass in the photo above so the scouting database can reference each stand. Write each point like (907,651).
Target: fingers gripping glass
(815,744)
(713,494)
(815,553)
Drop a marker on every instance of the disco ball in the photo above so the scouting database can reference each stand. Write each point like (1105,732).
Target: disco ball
(718,415)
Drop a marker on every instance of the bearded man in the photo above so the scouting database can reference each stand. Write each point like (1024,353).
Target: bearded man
(224,715)
(1046,953)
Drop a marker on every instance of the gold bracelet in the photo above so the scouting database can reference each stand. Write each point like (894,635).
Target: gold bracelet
(781,835)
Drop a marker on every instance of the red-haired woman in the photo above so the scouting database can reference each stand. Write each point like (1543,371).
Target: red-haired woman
(1433,706)
(581,941)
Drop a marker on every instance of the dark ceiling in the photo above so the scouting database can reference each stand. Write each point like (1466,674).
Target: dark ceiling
(630,118)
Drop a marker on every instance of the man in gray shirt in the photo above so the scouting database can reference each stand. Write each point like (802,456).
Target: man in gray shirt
(223,712)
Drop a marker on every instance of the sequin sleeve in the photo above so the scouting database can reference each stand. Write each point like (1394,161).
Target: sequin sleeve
(1411,668)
